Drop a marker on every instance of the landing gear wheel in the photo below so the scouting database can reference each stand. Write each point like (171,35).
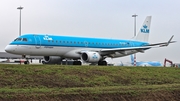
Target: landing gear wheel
(77,63)
(102,63)
(26,62)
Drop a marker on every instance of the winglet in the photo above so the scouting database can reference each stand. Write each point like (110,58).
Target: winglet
(168,42)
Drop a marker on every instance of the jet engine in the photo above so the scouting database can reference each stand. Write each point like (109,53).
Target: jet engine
(92,57)
(52,60)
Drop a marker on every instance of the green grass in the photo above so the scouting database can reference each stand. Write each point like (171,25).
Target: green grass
(55,79)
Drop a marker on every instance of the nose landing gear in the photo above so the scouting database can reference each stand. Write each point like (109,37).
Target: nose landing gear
(26,62)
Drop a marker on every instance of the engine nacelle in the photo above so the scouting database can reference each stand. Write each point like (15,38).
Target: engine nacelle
(52,60)
(92,57)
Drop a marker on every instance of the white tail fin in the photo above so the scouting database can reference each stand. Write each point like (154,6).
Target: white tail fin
(143,34)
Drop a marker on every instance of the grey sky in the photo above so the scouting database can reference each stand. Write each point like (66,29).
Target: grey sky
(95,18)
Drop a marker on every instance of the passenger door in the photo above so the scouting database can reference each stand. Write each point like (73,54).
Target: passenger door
(37,41)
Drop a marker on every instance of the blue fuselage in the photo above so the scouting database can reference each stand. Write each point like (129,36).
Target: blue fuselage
(65,46)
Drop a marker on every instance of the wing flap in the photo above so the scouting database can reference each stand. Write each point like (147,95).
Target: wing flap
(122,50)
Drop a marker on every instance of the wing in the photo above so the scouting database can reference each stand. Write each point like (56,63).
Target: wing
(106,52)
(123,50)
(163,43)
(138,49)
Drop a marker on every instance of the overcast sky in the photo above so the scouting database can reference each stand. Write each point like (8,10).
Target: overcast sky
(95,18)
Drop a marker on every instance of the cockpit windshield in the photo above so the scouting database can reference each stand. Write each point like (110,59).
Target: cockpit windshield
(21,39)
(15,39)
(24,39)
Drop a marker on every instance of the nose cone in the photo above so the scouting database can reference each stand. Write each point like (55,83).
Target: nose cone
(9,49)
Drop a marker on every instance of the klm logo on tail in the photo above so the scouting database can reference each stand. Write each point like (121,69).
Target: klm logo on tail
(145,29)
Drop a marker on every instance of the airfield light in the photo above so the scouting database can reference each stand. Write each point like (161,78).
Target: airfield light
(20,8)
(134,35)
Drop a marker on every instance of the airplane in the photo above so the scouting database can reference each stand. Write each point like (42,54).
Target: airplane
(55,48)
(145,63)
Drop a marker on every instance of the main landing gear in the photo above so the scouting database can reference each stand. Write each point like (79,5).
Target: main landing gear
(102,63)
(77,63)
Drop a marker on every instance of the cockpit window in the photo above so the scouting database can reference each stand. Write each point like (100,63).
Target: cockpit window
(16,39)
(24,39)
(21,39)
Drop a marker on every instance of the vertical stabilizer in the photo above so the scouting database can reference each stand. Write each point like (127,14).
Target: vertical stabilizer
(143,34)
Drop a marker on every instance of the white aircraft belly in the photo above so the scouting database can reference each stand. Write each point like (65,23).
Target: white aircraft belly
(49,51)
(69,52)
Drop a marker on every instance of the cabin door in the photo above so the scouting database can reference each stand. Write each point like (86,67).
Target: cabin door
(37,41)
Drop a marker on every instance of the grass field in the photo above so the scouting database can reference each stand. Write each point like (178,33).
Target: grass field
(56,82)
